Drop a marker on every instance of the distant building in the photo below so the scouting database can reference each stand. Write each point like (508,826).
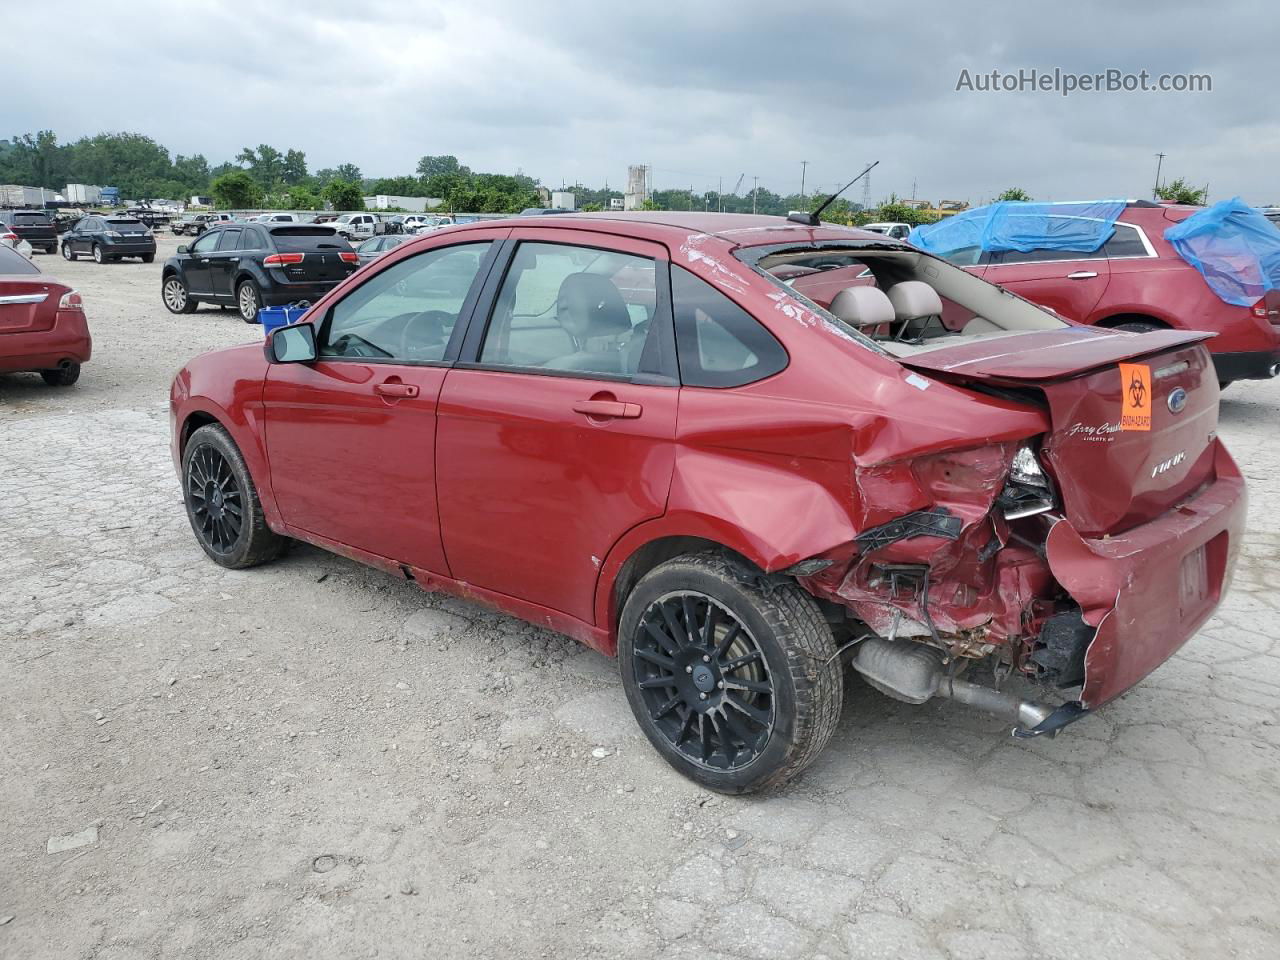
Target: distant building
(617,203)
(637,191)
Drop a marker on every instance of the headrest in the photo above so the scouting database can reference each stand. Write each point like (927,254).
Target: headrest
(913,299)
(589,305)
(862,306)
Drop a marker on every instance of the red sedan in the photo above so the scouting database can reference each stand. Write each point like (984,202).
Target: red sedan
(42,324)
(633,430)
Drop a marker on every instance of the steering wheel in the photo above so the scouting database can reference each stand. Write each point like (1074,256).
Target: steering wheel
(437,318)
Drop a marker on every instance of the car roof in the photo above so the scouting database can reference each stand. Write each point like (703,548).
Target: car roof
(674,226)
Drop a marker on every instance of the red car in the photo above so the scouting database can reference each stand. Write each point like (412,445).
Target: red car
(42,324)
(1137,281)
(630,429)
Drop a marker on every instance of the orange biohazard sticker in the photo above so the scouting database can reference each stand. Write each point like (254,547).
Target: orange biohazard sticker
(1135,396)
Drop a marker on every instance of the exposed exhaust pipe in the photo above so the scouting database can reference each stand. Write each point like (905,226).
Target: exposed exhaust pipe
(913,672)
(1273,370)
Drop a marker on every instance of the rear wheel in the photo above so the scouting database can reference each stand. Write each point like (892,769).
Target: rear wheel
(62,376)
(222,502)
(248,301)
(97,254)
(729,673)
(1137,326)
(148,258)
(175,295)
(68,253)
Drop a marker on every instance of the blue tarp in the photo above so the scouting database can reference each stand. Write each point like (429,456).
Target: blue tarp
(1013,225)
(1235,248)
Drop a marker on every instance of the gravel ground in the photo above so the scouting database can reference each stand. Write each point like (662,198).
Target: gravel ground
(313,759)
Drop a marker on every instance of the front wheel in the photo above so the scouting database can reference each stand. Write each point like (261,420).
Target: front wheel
(248,301)
(68,253)
(97,254)
(222,502)
(730,674)
(176,297)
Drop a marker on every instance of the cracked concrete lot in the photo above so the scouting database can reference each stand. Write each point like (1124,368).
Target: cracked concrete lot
(313,759)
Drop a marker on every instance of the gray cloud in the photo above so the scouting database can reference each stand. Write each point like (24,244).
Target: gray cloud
(578,90)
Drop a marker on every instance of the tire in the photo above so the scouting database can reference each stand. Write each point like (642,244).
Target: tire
(215,481)
(248,301)
(68,253)
(51,250)
(1137,326)
(148,258)
(62,376)
(176,296)
(766,626)
(1223,384)
(97,254)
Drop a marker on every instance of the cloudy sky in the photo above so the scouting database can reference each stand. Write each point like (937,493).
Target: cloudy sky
(578,90)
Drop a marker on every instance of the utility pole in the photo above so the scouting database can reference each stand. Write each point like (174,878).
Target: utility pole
(720,197)
(1155,191)
(803,165)
(913,188)
(755,185)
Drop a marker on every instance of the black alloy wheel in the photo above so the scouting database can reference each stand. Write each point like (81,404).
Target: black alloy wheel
(216,499)
(704,681)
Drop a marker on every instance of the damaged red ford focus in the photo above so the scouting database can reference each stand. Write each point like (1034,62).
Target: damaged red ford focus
(633,429)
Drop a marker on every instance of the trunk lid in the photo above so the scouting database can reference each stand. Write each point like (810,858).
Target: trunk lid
(28,305)
(1133,416)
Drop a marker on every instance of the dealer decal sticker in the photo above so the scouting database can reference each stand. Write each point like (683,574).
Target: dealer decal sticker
(1135,396)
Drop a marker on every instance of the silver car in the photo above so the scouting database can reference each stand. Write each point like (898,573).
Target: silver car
(375,247)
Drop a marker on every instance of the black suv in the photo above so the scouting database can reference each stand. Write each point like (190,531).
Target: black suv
(253,265)
(109,238)
(34,226)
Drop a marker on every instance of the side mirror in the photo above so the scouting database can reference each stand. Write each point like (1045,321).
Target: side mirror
(182,248)
(295,343)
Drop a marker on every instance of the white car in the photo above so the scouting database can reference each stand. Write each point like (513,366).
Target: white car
(898,231)
(277,218)
(359,226)
(14,242)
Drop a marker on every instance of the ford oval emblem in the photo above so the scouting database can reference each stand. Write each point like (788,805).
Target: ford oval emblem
(1177,400)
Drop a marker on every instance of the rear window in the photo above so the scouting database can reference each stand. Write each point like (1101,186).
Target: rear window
(299,239)
(31,219)
(12,262)
(124,222)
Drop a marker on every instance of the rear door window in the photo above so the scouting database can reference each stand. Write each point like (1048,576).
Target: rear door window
(718,343)
(572,309)
(230,240)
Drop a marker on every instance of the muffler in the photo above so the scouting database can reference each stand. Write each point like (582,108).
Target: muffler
(1273,370)
(913,672)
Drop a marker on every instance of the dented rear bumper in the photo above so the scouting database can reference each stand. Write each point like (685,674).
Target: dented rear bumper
(1148,590)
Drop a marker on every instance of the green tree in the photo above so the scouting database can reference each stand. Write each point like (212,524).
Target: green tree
(1014,193)
(396,186)
(266,164)
(236,190)
(430,166)
(303,198)
(294,167)
(349,172)
(192,172)
(36,161)
(1179,191)
(344,195)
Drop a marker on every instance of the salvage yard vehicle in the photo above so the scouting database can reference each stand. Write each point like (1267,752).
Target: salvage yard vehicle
(898,231)
(14,242)
(1136,281)
(34,226)
(375,247)
(199,223)
(359,226)
(627,428)
(42,324)
(254,265)
(107,238)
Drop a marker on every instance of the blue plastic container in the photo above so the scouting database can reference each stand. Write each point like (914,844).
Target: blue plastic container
(272,318)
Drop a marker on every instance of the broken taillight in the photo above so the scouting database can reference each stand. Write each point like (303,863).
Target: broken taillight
(1028,490)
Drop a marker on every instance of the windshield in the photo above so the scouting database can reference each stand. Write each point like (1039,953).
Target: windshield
(902,300)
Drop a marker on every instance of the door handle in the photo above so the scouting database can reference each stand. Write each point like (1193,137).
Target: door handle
(1081,275)
(396,389)
(608,409)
